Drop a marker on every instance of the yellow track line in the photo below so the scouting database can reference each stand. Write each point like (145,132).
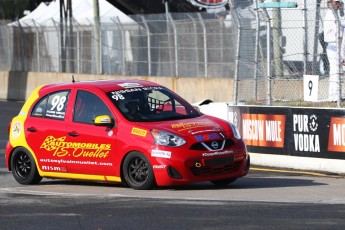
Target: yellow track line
(295,172)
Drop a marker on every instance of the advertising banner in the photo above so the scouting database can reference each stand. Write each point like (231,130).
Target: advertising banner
(305,132)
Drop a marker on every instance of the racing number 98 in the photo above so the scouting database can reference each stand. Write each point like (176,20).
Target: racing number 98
(58,103)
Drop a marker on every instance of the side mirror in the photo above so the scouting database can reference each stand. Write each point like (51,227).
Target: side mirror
(103,120)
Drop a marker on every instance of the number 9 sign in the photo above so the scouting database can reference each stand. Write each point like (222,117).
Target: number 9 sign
(311,87)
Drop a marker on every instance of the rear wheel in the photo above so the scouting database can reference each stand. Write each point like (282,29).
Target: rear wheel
(223,182)
(137,171)
(24,168)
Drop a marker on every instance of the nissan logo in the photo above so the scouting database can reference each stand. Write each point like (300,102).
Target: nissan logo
(214,144)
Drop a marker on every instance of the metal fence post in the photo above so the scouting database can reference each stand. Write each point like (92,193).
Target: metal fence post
(196,44)
(148,34)
(123,36)
(58,31)
(23,48)
(256,59)
(340,67)
(276,32)
(340,72)
(268,58)
(37,46)
(97,27)
(78,48)
(10,46)
(205,44)
(316,36)
(305,40)
(123,42)
(175,44)
(236,77)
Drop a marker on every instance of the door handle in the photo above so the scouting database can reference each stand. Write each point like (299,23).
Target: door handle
(32,129)
(73,134)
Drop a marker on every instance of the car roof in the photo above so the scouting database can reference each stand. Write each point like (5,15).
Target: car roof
(105,85)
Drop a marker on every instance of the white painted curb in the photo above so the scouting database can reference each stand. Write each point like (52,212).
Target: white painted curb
(298,163)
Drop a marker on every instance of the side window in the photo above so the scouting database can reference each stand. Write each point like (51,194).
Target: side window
(40,108)
(88,106)
(52,106)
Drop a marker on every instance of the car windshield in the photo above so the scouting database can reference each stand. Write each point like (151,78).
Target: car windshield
(151,104)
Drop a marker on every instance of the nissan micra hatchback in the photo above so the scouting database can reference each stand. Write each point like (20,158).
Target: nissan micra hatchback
(133,132)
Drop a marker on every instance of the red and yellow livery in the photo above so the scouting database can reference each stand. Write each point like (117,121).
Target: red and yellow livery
(134,132)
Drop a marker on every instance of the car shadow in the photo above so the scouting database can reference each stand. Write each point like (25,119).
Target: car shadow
(252,183)
(241,183)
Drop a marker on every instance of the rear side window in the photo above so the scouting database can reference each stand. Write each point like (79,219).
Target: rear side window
(52,106)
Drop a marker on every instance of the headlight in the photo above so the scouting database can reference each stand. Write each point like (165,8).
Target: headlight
(237,135)
(166,138)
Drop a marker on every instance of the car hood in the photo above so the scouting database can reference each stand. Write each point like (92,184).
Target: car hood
(187,127)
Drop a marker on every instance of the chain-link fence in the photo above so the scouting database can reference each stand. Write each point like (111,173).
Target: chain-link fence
(223,45)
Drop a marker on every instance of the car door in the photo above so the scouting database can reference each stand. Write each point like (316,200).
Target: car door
(45,130)
(90,147)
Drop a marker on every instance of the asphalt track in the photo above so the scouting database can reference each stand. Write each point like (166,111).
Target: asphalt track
(265,199)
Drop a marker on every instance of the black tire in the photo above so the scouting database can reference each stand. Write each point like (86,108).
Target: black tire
(24,168)
(137,172)
(223,182)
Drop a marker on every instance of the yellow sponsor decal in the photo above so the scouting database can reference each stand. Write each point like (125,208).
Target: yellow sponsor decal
(190,125)
(63,148)
(139,132)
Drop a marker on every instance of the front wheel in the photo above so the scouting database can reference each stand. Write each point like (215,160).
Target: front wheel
(137,171)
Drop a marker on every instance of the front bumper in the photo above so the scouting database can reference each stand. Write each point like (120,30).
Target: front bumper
(197,168)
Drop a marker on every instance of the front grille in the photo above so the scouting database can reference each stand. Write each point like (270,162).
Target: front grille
(210,145)
(209,170)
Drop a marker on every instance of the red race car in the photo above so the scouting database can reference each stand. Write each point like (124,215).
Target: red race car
(129,131)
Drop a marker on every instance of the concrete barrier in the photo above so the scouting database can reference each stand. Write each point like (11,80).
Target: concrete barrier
(19,85)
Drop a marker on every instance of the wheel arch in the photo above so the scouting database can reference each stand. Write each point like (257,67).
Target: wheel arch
(10,155)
